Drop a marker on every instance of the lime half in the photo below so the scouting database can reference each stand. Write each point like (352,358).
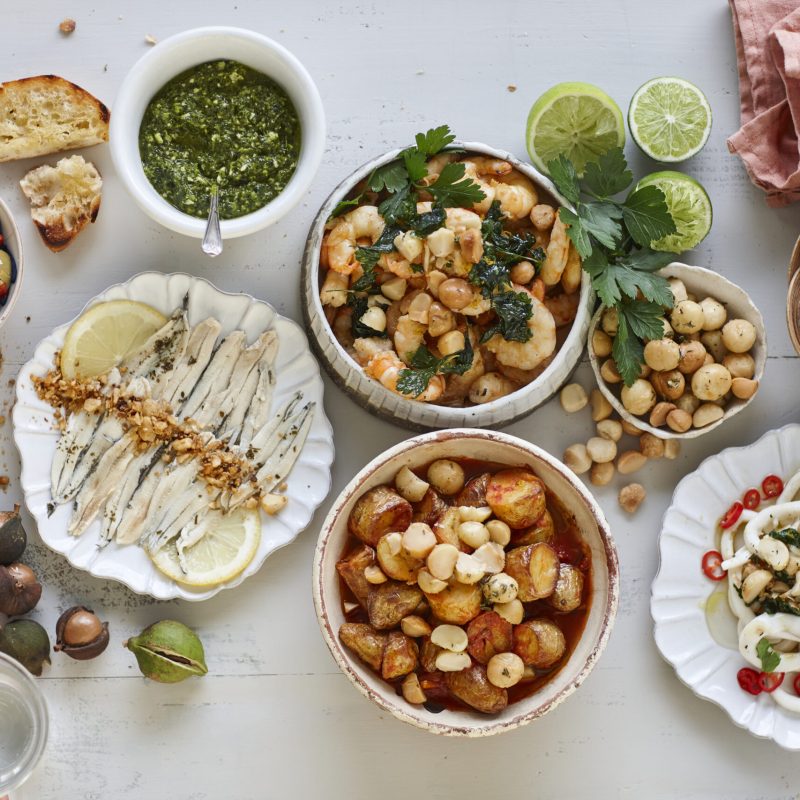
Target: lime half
(576,119)
(670,119)
(690,206)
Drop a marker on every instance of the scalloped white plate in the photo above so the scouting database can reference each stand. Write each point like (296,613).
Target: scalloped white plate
(680,590)
(295,368)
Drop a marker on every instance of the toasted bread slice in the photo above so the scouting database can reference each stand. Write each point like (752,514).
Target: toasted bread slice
(47,114)
(64,199)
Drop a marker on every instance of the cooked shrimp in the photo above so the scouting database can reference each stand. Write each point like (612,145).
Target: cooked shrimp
(457,387)
(409,336)
(516,194)
(386,367)
(479,167)
(477,306)
(342,326)
(557,252)
(436,164)
(528,355)
(563,307)
(490,386)
(571,276)
(334,289)
(396,264)
(341,242)
(367,347)
(522,377)
(538,288)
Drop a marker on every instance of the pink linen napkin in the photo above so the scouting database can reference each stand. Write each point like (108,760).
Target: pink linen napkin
(768,50)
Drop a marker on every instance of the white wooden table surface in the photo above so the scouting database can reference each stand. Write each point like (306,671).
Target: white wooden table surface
(275,718)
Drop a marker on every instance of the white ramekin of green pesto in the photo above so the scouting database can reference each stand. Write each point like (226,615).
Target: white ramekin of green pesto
(222,106)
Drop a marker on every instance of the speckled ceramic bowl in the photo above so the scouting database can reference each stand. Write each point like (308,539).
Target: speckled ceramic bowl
(703,283)
(13,243)
(503,449)
(412,413)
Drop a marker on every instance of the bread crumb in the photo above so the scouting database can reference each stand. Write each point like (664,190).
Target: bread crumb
(67,26)
(150,39)
(511,87)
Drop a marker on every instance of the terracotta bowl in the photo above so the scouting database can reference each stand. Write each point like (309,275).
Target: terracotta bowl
(412,413)
(703,283)
(13,243)
(503,449)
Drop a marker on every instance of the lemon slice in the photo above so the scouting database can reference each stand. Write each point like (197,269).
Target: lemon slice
(576,119)
(223,545)
(102,336)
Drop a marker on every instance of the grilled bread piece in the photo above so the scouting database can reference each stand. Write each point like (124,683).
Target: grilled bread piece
(64,199)
(47,114)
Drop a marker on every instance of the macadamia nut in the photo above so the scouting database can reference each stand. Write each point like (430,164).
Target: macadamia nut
(714,314)
(739,335)
(687,317)
(711,382)
(573,398)
(638,398)
(662,354)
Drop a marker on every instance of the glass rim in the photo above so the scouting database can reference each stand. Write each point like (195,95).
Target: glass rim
(34,697)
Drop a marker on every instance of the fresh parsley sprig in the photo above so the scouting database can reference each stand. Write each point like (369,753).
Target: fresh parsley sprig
(423,365)
(613,239)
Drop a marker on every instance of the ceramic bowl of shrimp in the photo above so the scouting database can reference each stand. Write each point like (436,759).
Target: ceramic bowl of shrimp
(424,300)
(575,513)
(740,372)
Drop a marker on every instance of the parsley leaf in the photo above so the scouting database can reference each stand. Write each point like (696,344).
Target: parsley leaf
(369,255)
(435,140)
(415,165)
(345,205)
(424,365)
(601,221)
(452,189)
(513,310)
(562,171)
(770,659)
(613,280)
(627,352)
(391,177)
(576,232)
(490,276)
(638,321)
(399,207)
(609,175)
(646,215)
(644,318)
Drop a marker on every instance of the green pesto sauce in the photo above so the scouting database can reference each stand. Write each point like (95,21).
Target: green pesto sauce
(224,123)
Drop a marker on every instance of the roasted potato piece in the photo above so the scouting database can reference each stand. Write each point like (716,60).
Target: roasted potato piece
(434,685)
(457,604)
(381,510)
(474,491)
(488,635)
(365,642)
(543,530)
(429,509)
(445,529)
(352,567)
(400,656)
(471,686)
(535,569)
(427,654)
(389,602)
(516,496)
(539,642)
(568,593)
(394,561)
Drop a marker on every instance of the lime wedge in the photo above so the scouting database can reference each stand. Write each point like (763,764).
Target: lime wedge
(690,206)
(670,119)
(576,119)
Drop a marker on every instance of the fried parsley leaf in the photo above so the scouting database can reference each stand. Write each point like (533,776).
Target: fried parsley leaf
(427,223)
(788,536)
(359,304)
(513,310)
(400,207)
(423,365)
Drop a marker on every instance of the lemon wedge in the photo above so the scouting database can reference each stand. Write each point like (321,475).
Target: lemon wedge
(105,334)
(221,546)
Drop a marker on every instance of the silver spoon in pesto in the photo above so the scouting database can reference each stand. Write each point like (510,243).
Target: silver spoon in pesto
(212,240)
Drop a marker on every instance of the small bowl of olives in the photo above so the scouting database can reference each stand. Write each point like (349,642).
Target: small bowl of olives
(705,369)
(10,262)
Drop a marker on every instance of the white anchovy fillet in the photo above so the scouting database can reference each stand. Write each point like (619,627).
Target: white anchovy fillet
(157,353)
(257,412)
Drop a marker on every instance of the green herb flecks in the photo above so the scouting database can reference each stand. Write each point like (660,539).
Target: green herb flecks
(770,660)
(780,605)
(359,304)
(613,239)
(513,310)
(788,536)
(424,365)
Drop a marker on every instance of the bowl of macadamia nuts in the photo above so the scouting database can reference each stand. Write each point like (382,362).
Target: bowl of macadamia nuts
(704,370)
